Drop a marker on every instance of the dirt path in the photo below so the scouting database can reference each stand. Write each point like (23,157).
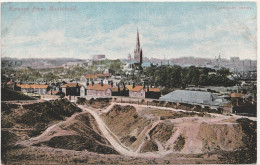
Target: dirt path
(122,150)
(173,109)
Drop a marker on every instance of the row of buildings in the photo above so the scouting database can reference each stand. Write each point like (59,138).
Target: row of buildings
(90,90)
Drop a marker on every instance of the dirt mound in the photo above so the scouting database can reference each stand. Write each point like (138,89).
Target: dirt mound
(149,146)
(166,114)
(20,122)
(78,143)
(220,136)
(79,132)
(99,103)
(162,132)
(131,120)
(127,124)
(36,116)
(247,153)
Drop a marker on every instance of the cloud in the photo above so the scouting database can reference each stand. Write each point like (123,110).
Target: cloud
(230,38)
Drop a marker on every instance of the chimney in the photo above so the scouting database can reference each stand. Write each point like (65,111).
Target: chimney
(133,85)
(123,86)
(111,84)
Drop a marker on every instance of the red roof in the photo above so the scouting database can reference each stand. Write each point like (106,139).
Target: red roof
(71,85)
(154,90)
(237,95)
(136,88)
(98,87)
(32,86)
(94,76)
(10,83)
(103,75)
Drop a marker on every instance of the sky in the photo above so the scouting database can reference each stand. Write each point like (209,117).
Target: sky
(170,30)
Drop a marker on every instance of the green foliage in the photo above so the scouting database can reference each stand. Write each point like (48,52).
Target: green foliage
(9,94)
(178,77)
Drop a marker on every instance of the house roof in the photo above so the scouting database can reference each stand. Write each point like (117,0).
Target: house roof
(98,87)
(236,95)
(92,76)
(135,89)
(138,88)
(71,85)
(115,89)
(154,90)
(10,83)
(103,75)
(32,86)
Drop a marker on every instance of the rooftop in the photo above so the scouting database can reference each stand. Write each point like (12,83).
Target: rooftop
(197,97)
(32,86)
(98,87)
(71,85)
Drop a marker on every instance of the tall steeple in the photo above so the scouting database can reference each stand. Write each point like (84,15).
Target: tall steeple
(138,51)
(137,41)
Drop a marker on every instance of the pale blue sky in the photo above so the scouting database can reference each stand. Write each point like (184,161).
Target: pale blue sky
(172,29)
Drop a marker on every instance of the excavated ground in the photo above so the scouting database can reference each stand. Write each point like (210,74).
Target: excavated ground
(24,126)
(57,132)
(176,132)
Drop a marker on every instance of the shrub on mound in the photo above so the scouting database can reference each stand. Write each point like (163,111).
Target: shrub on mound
(149,146)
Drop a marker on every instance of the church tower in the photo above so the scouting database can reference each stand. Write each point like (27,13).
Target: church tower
(138,53)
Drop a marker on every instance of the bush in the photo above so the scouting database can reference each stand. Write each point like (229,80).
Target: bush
(81,100)
(133,139)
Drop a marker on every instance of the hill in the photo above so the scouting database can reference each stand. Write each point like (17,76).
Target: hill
(9,95)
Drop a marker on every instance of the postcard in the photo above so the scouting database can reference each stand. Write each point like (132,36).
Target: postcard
(129,82)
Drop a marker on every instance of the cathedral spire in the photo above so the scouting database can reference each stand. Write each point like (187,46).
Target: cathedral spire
(137,41)
(138,53)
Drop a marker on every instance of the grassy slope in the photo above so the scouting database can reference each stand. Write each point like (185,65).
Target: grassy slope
(9,95)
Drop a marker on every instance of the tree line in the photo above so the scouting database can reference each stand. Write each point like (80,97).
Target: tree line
(178,77)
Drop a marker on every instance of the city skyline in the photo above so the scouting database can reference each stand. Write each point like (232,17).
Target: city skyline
(173,30)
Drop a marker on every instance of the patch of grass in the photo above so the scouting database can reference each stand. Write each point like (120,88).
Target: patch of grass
(9,95)
(179,143)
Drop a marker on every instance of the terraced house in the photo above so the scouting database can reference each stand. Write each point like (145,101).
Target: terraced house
(34,88)
(99,90)
(143,92)
(72,89)
(93,77)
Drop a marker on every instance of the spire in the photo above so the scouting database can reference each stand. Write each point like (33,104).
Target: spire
(138,56)
(137,41)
